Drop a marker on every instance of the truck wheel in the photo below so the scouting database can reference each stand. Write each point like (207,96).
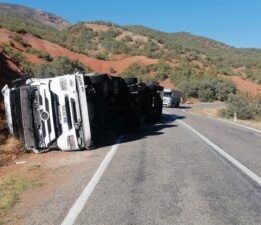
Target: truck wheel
(130,80)
(133,87)
(160,88)
(152,87)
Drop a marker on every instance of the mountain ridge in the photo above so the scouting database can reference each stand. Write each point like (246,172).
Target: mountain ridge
(27,13)
(179,56)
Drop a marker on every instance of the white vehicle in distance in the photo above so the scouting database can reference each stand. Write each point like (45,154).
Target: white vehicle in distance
(171,98)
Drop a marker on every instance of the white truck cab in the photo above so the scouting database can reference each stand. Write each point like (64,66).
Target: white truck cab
(171,98)
(47,113)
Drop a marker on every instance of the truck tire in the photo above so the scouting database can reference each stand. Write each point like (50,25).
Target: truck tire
(152,87)
(160,88)
(130,80)
(133,87)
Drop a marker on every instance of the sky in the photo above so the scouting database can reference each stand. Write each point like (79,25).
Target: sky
(234,22)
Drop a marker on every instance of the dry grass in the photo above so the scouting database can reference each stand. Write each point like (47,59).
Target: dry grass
(9,150)
(192,101)
(217,113)
(11,188)
(33,167)
(211,112)
(9,146)
(251,123)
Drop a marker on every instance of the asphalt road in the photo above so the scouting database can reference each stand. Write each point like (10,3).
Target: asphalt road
(166,175)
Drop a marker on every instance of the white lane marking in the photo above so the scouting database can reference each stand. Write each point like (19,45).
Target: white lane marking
(250,128)
(228,157)
(82,199)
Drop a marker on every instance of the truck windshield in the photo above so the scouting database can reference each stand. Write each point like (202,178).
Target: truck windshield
(167,94)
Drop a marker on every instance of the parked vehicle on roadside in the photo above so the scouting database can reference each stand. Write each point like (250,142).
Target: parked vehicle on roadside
(171,98)
(76,111)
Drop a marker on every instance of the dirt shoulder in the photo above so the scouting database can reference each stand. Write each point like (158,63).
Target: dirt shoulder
(217,113)
(31,179)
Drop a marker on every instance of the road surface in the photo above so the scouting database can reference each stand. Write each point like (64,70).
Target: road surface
(165,174)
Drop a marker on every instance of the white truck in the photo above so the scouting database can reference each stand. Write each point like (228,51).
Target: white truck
(71,112)
(171,98)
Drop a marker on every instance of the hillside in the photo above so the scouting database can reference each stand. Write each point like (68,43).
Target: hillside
(33,40)
(28,15)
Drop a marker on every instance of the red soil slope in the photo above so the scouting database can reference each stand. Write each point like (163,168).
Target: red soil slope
(118,65)
(96,65)
(9,71)
(246,85)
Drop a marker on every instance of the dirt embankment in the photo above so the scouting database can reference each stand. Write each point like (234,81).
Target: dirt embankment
(245,85)
(99,66)
(116,66)
(9,71)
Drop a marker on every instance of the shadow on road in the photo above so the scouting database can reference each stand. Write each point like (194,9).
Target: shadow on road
(147,130)
(185,107)
(152,129)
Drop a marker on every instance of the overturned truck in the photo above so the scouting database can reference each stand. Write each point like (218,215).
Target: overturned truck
(78,111)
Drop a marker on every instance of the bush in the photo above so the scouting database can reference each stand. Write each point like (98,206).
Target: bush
(110,34)
(39,54)
(18,39)
(137,70)
(162,70)
(127,38)
(15,55)
(245,106)
(116,47)
(207,89)
(102,56)
(189,89)
(59,66)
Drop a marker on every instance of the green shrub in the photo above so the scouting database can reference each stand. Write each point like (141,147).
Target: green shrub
(39,54)
(245,106)
(139,71)
(21,31)
(18,39)
(127,38)
(207,88)
(102,56)
(110,34)
(189,89)
(15,55)
(59,66)
(116,47)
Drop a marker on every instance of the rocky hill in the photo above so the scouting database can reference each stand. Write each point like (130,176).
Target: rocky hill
(25,14)
(35,41)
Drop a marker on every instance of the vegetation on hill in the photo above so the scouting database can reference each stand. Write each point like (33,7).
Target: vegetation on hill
(58,66)
(189,80)
(28,15)
(245,106)
(53,67)
(194,64)
(210,53)
(148,73)
(139,40)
